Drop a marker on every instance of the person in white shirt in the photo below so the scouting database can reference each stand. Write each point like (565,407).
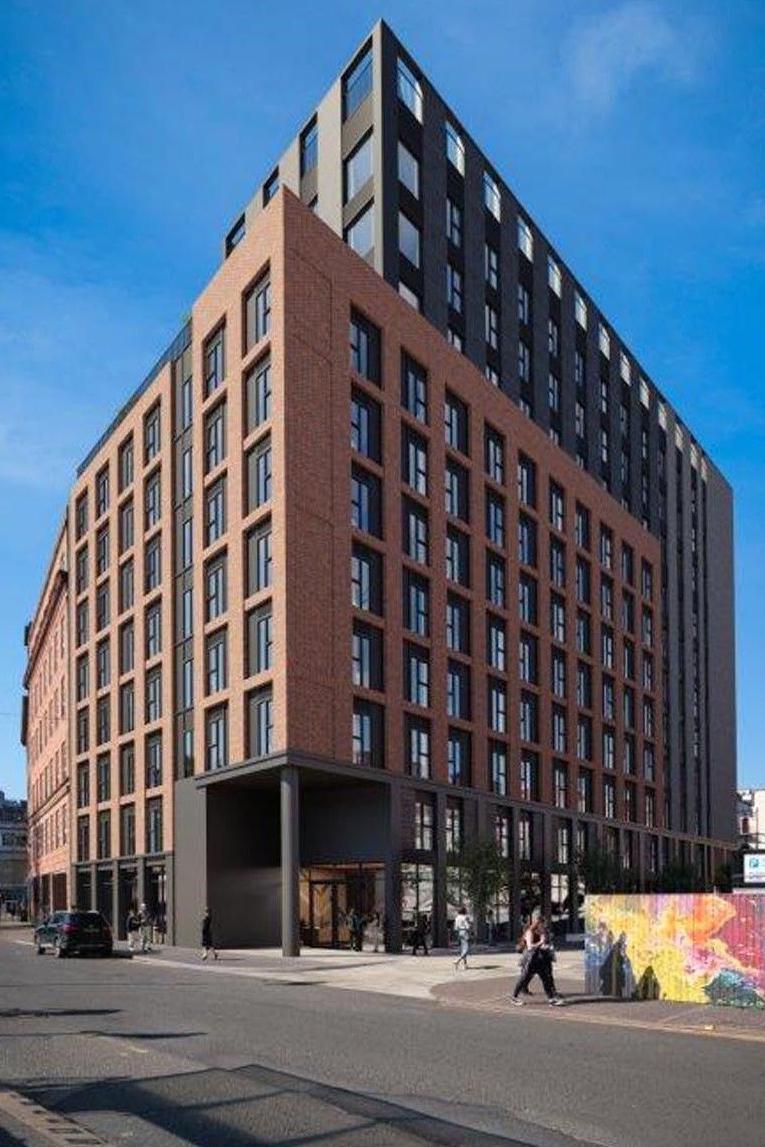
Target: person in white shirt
(462,932)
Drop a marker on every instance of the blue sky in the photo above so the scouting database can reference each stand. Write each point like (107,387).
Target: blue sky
(131,133)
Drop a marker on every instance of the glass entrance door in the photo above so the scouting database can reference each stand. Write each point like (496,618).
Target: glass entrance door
(327,896)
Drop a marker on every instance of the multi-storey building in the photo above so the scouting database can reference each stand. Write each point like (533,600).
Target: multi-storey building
(387,164)
(13,850)
(45,733)
(751,818)
(342,597)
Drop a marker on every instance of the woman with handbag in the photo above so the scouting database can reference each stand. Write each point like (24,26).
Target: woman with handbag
(540,961)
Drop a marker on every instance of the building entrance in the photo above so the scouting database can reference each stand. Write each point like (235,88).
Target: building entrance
(328,896)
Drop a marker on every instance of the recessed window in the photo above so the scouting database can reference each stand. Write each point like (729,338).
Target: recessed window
(358,169)
(360,235)
(491,266)
(580,311)
(525,239)
(408,239)
(491,196)
(454,288)
(257,308)
(409,89)
(270,187)
(453,222)
(364,347)
(554,277)
(408,169)
(357,83)
(309,148)
(455,148)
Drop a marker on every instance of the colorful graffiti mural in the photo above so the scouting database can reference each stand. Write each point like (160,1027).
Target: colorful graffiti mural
(694,948)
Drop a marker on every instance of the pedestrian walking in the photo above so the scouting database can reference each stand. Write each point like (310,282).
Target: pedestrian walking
(419,935)
(207,936)
(132,927)
(462,932)
(376,931)
(540,956)
(491,928)
(145,922)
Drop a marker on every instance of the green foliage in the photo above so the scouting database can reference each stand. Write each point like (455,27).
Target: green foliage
(600,871)
(679,877)
(484,873)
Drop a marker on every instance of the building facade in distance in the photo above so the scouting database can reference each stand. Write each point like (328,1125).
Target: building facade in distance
(13,850)
(45,733)
(751,819)
(346,593)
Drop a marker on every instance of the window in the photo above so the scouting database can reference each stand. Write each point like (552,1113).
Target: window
(408,239)
(104,831)
(423,824)
(102,606)
(609,798)
(524,309)
(529,775)
(497,706)
(458,690)
(127,707)
(125,527)
(187,543)
(579,420)
(417,675)
(358,168)
(527,481)
(416,603)
(583,633)
(257,312)
(151,434)
(409,89)
(527,540)
(528,659)
(456,490)
(455,423)
(584,738)
(414,388)
(357,83)
(557,507)
(83,785)
(414,460)
(365,425)
(491,196)
(491,326)
(553,393)
(83,838)
(214,361)
(608,698)
(367,734)
(554,278)
(259,475)
(646,580)
(153,630)
(103,778)
(366,579)
(525,842)
(417,743)
(498,767)
(367,656)
(560,785)
(453,829)
(216,658)
(260,722)
(604,341)
(127,770)
(606,548)
(457,556)
(609,748)
(259,559)
(102,491)
(647,628)
(496,643)
(455,148)
(529,718)
(491,266)
(125,465)
(81,623)
(453,222)
(415,531)
(360,235)
(81,569)
(580,310)
(458,757)
(216,738)
(583,581)
(454,288)
(215,437)
(309,148)
(215,591)
(496,580)
(494,455)
(215,509)
(366,501)
(607,647)
(153,760)
(553,338)
(495,518)
(408,170)
(154,694)
(525,239)
(270,187)
(152,500)
(558,673)
(127,830)
(102,550)
(558,730)
(364,347)
(457,623)
(154,840)
(186,475)
(126,647)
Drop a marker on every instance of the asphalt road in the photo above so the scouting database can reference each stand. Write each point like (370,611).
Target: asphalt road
(152,1056)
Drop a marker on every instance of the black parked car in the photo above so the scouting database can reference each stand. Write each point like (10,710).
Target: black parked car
(70,932)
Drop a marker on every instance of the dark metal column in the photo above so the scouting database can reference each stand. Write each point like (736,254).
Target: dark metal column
(290,810)
(393,872)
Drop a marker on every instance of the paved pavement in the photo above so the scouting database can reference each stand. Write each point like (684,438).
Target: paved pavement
(162,1050)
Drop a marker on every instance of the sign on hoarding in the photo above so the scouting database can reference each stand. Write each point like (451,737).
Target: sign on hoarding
(754,868)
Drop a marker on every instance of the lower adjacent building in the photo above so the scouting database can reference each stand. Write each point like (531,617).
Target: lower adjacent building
(13,850)
(335,605)
(751,819)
